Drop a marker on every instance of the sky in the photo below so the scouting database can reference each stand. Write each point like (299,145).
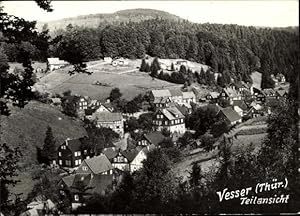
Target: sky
(267,13)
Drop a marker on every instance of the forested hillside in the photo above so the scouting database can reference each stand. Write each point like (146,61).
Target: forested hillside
(227,49)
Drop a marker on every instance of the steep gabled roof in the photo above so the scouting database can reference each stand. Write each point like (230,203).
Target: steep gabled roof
(282,92)
(154,137)
(99,164)
(176,92)
(269,91)
(68,180)
(130,154)
(231,92)
(161,93)
(214,95)
(73,144)
(108,116)
(110,153)
(188,94)
(241,104)
(230,114)
(175,112)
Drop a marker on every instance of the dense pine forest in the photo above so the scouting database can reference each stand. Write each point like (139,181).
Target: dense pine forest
(233,49)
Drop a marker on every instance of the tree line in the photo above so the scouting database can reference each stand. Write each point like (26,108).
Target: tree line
(232,49)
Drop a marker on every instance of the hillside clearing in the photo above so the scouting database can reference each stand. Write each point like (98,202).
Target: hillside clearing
(130,81)
(26,128)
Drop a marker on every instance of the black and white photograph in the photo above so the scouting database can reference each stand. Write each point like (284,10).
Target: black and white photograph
(149,107)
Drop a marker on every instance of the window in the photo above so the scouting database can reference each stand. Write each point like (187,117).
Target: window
(76,162)
(85,151)
(60,162)
(59,154)
(75,153)
(84,168)
(78,153)
(76,197)
(181,120)
(79,161)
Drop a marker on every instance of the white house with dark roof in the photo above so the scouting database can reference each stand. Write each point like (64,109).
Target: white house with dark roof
(188,98)
(169,118)
(230,94)
(110,120)
(230,116)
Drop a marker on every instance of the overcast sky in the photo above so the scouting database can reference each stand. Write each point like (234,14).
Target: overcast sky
(280,13)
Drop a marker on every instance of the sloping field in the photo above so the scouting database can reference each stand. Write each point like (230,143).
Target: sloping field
(256,78)
(130,81)
(26,128)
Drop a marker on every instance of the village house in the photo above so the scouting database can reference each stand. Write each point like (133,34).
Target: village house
(119,62)
(212,97)
(94,103)
(107,60)
(127,160)
(159,93)
(282,93)
(79,187)
(70,154)
(240,107)
(259,95)
(153,138)
(178,64)
(188,98)
(110,120)
(96,165)
(230,116)
(169,118)
(162,102)
(270,93)
(230,94)
(255,111)
(176,95)
(40,206)
(55,63)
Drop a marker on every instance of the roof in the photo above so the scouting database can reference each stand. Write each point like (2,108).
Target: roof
(183,109)
(188,94)
(53,60)
(130,154)
(176,92)
(269,91)
(154,137)
(56,61)
(214,106)
(231,92)
(108,116)
(73,144)
(230,114)
(214,94)
(96,184)
(68,180)
(172,113)
(241,104)
(161,93)
(110,153)
(99,164)
(282,92)
(161,100)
